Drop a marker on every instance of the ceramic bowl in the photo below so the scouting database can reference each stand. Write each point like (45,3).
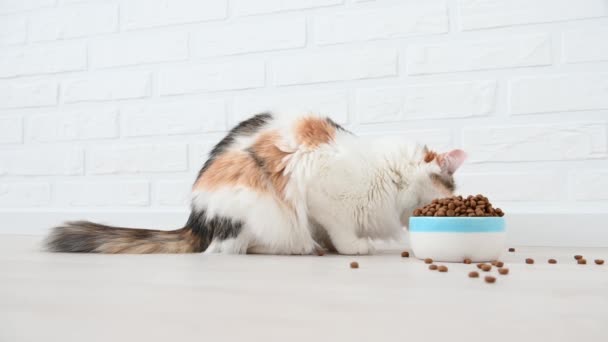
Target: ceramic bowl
(453,239)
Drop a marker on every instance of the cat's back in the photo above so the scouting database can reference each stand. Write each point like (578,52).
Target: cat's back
(266,152)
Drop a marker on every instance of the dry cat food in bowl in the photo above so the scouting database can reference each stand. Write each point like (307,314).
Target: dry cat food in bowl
(456,228)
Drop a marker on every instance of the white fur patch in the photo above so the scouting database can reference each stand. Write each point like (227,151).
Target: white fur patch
(267,222)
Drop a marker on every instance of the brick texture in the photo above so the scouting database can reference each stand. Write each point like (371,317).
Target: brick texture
(116,104)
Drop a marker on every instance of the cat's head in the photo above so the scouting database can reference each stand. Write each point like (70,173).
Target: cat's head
(439,172)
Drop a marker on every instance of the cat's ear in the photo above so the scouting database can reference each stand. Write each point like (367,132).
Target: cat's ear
(451,161)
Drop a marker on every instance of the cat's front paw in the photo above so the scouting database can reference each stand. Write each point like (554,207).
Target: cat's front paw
(357,247)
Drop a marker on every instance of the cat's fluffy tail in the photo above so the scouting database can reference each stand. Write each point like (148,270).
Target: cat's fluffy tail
(89,237)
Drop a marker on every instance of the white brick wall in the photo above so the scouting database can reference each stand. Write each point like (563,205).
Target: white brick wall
(73,21)
(17,194)
(113,105)
(86,123)
(480,14)
(248,35)
(11,130)
(495,53)
(175,117)
(41,161)
(138,14)
(108,194)
(42,59)
(334,66)
(211,77)
(23,94)
(106,86)
(248,7)
(440,101)
(138,48)
(13,30)
(137,159)
(410,19)
(585,45)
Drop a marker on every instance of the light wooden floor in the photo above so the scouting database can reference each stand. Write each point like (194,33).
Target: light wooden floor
(60,297)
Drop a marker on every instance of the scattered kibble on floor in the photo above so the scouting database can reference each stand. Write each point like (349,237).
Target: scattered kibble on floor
(405,254)
(354,264)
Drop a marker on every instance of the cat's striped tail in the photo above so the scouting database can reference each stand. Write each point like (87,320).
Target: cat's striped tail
(89,237)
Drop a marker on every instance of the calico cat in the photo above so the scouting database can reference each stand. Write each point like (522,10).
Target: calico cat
(288,186)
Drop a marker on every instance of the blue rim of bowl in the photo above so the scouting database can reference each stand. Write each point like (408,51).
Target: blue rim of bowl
(425,224)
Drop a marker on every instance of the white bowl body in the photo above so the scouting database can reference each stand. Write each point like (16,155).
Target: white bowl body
(454,239)
(455,247)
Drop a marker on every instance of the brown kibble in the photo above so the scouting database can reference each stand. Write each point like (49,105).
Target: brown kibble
(511,249)
(503,271)
(582,261)
(480,265)
(529,261)
(494,263)
(354,264)
(405,254)
(500,264)
(456,206)
(428,261)
(599,261)
(578,257)
(467,261)
(552,261)
(490,279)
(442,268)
(473,274)
(432,267)
(486,268)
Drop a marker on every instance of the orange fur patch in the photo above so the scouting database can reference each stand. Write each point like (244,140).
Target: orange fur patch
(232,168)
(273,159)
(429,156)
(313,132)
